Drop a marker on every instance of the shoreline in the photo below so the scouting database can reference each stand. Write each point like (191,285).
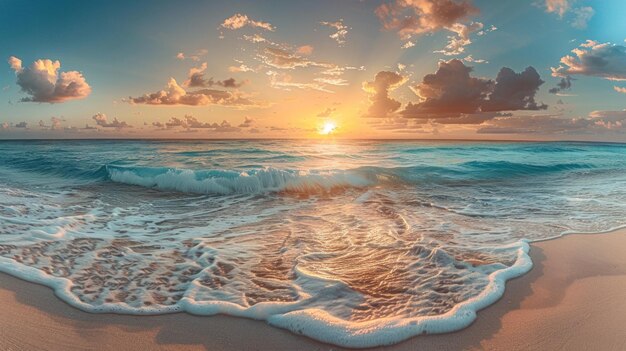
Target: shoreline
(574,297)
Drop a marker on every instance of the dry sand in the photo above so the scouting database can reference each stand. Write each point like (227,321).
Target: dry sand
(573,299)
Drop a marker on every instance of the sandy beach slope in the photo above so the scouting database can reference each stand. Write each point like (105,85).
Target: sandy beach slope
(573,299)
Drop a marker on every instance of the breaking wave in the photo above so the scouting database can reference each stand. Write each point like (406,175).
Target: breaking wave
(226,182)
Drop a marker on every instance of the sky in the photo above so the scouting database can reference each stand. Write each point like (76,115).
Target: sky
(416,69)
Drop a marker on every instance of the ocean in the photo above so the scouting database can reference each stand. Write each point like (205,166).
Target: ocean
(355,243)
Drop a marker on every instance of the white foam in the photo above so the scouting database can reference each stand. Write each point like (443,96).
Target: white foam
(224,183)
(318,324)
(312,322)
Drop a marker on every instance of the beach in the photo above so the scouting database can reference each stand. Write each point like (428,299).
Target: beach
(574,298)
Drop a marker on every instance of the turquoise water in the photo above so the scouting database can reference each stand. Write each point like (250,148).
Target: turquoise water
(356,243)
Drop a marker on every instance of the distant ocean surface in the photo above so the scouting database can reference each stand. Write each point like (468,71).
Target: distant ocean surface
(356,243)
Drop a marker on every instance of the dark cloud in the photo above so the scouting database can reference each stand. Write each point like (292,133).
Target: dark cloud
(514,91)
(594,59)
(43,82)
(396,123)
(102,120)
(564,84)
(381,104)
(190,122)
(196,79)
(247,122)
(597,121)
(326,113)
(452,92)
(449,91)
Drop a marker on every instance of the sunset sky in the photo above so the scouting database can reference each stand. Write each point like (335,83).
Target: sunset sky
(506,69)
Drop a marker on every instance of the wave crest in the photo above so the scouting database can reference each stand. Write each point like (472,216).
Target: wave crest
(222,182)
(227,182)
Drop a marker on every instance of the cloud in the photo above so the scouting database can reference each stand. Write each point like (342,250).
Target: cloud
(341,31)
(460,39)
(415,17)
(620,89)
(594,59)
(326,113)
(609,119)
(560,7)
(241,68)
(471,59)
(564,84)
(398,124)
(21,125)
(197,56)
(305,50)
(255,38)
(247,122)
(382,105)
(174,94)
(102,121)
(196,78)
(283,59)
(335,71)
(190,122)
(452,92)
(514,91)
(285,82)
(55,123)
(582,15)
(238,21)
(15,63)
(331,81)
(43,82)
(485,31)
(408,44)
(597,121)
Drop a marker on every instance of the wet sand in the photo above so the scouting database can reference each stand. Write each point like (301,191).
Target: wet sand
(574,298)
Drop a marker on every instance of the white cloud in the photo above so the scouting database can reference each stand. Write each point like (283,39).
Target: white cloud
(42,82)
(238,21)
(341,31)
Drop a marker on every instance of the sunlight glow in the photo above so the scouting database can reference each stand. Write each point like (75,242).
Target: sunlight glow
(328,128)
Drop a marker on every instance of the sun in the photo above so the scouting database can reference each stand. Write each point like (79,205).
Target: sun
(328,128)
